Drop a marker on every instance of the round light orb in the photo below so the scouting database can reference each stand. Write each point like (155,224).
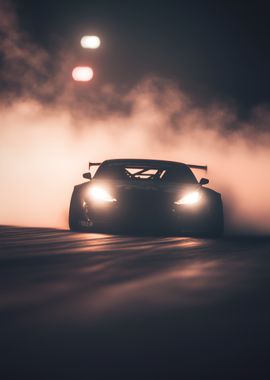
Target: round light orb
(82,73)
(90,42)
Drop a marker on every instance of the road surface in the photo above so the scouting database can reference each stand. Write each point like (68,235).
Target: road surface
(90,306)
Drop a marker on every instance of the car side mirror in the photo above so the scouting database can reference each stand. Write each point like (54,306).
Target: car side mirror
(87,175)
(204,181)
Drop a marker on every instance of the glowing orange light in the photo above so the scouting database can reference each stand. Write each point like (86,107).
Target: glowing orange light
(101,195)
(90,42)
(82,73)
(189,199)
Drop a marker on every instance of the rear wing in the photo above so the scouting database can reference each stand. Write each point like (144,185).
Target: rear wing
(201,167)
(93,164)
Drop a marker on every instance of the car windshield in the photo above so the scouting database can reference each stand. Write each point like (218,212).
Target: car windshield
(169,173)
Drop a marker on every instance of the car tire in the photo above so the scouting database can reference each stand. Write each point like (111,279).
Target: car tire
(215,220)
(75,212)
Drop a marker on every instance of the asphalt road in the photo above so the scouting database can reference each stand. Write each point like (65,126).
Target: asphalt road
(88,306)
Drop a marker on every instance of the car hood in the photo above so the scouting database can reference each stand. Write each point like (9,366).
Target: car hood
(116,186)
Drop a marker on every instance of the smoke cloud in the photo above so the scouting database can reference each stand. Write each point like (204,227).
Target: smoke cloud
(51,127)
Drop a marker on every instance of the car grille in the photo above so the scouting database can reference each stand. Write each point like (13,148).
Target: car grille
(143,203)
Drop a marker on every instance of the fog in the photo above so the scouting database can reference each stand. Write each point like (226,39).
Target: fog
(51,127)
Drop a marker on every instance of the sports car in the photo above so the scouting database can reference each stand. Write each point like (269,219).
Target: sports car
(146,196)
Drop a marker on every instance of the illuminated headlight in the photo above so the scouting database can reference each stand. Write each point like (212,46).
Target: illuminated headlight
(189,199)
(99,194)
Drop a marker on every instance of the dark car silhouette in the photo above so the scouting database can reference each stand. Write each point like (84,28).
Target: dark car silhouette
(146,196)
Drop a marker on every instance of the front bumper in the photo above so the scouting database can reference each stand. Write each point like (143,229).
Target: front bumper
(141,217)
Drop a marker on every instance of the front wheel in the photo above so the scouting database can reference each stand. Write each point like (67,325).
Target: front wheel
(215,221)
(76,215)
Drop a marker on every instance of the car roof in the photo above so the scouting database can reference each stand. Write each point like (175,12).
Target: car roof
(142,162)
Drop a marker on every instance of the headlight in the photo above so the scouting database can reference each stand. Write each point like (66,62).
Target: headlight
(189,199)
(100,194)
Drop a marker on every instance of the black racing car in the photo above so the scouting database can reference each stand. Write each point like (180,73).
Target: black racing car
(145,196)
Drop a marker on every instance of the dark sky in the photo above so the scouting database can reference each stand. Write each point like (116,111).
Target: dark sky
(213,49)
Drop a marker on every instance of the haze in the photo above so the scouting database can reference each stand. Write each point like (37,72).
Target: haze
(51,128)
